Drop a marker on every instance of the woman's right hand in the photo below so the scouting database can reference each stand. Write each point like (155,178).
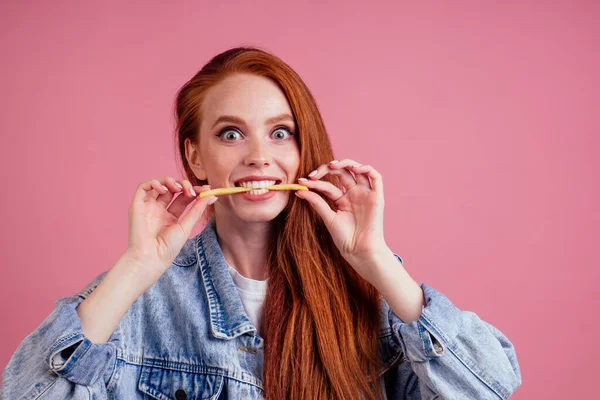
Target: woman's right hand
(156,235)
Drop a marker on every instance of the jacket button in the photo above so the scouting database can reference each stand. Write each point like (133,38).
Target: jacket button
(180,395)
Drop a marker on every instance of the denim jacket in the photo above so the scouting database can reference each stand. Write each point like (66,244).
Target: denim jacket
(188,337)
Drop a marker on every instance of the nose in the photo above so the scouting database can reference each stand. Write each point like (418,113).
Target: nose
(258,155)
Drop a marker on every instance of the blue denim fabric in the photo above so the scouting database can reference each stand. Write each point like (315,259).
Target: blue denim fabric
(188,336)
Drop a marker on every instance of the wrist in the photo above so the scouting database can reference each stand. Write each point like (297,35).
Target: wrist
(372,265)
(403,294)
(382,265)
(132,269)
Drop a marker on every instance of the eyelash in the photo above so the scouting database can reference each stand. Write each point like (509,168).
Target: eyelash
(229,128)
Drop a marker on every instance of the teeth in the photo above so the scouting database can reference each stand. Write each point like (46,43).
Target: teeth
(257,184)
(259,191)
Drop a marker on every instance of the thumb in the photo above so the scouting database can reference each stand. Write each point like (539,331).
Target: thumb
(195,212)
(319,204)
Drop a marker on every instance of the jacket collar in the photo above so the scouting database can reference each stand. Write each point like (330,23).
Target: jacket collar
(228,318)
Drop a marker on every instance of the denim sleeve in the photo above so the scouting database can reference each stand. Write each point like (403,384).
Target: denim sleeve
(56,361)
(452,354)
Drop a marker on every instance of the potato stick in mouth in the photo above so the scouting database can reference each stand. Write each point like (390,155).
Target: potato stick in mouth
(287,186)
(222,191)
(233,190)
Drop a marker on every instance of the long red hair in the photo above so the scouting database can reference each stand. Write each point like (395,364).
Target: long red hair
(321,318)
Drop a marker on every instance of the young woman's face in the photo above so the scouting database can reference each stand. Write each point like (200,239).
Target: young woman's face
(247,138)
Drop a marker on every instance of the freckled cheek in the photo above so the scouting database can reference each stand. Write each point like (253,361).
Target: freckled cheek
(220,169)
(291,164)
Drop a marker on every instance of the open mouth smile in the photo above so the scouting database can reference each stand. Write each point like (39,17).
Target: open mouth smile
(258,187)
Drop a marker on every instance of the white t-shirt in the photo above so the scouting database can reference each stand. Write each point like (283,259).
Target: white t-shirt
(253,294)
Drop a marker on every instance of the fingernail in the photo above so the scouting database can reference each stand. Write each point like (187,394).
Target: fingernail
(192,192)
(165,188)
(178,185)
(303,179)
(212,201)
(313,173)
(333,162)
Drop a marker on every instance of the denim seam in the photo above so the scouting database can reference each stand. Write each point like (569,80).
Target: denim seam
(69,342)
(58,345)
(68,366)
(422,332)
(396,359)
(183,265)
(218,393)
(195,369)
(144,387)
(87,291)
(439,331)
(50,382)
(480,374)
(399,341)
(112,381)
(114,367)
(495,387)
(189,260)
(388,339)
(110,385)
(215,314)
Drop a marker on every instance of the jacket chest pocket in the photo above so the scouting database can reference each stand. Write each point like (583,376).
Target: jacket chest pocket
(172,384)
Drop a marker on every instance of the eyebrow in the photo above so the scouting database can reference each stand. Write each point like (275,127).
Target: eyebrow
(240,121)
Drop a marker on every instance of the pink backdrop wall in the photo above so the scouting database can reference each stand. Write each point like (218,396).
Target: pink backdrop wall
(483,120)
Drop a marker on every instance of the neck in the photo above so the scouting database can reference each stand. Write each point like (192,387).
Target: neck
(244,245)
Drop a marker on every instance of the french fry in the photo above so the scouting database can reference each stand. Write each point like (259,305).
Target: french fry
(222,191)
(287,186)
(233,190)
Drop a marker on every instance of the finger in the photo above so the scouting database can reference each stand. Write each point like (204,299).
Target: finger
(346,162)
(319,204)
(320,172)
(361,179)
(182,201)
(187,223)
(350,165)
(330,190)
(173,186)
(374,176)
(188,191)
(346,178)
(149,189)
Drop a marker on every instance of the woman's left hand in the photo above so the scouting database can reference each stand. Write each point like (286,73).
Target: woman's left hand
(357,225)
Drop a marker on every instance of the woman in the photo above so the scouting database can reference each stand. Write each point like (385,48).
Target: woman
(283,295)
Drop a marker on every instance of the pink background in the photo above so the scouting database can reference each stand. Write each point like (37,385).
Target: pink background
(483,120)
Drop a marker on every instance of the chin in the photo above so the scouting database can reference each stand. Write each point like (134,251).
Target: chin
(261,215)
(261,211)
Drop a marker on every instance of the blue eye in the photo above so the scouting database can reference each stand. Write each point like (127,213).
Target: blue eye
(229,135)
(277,133)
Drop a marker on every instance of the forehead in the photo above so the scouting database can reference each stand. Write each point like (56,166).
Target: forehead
(253,98)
